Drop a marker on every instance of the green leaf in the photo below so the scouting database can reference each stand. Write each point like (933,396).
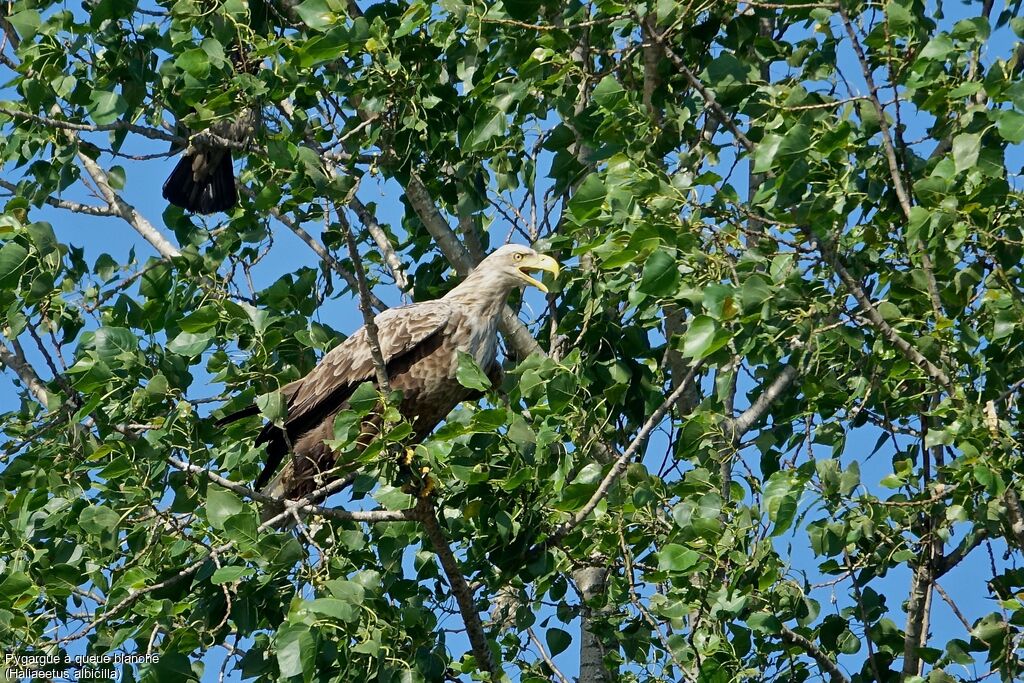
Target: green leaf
(201,319)
(221,504)
(779,499)
(609,93)
(966,147)
(469,374)
(190,344)
(272,406)
(1010,125)
(523,10)
(703,337)
(561,390)
(765,153)
(26,23)
(489,124)
(106,107)
(346,590)
(111,342)
(315,14)
(340,610)
(12,257)
(296,650)
(558,641)
(661,274)
(97,519)
(675,558)
(586,202)
(230,574)
(795,142)
(901,20)
(116,177)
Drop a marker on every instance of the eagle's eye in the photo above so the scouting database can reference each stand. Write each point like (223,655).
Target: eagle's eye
(518,257)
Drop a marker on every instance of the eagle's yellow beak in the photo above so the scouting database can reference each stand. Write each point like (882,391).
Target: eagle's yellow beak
(534,263)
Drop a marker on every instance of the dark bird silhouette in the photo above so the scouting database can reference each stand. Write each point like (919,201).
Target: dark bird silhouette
(204,179)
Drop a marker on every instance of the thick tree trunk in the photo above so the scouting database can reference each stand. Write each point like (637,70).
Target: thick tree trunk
(591,581)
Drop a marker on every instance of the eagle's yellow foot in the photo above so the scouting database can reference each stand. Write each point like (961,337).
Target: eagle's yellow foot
(428,483)
(406,458)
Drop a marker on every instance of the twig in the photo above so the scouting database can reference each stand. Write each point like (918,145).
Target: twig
(823,660)
(317,248)
(742,424)
(952,606)
(706,95)
(379,366)
(369,221)
(876,319)
(368,516)
(65,204)
(544,655)
(550,27)
(863,617)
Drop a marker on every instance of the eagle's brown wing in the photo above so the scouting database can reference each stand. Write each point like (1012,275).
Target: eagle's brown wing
(325,389)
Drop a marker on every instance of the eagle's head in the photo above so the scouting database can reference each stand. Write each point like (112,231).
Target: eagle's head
(514,263)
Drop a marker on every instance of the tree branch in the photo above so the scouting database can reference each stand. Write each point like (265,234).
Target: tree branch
(887,145)
(426,514)
(65,204)
(623,460)
(876,319)
(317,248)
(369,516)
(706,95)
(369,221)
(126,211)
(15,360)
(145,131)
(749,417)
(793,638)
(365,307)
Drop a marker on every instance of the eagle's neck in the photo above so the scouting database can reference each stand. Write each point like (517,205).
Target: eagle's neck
(481,294)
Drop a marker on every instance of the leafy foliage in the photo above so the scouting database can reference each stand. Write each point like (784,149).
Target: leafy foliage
(793,231)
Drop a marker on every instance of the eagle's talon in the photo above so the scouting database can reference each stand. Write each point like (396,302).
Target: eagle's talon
(428,485)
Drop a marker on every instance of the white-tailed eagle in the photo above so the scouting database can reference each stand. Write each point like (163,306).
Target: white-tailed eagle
(419,344)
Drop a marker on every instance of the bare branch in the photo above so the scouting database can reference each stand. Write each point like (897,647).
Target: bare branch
(544,655)
(65,204)
(369,516)
(126,211)
(369,221)
(15,360)
(365,307)
(460,588)
(749,417)
(145,131)
(823,660)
